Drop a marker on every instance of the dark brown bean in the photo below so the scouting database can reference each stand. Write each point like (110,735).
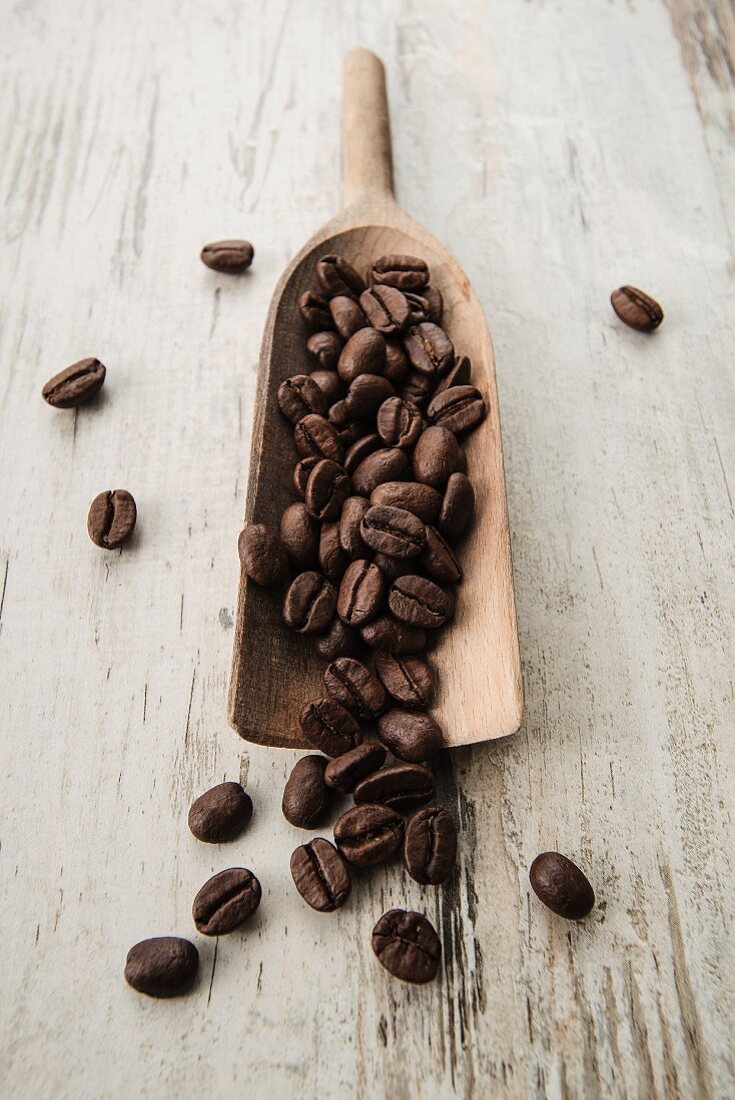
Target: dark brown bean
(353,685)
(407,946)
(309,603)
(163,966)
(360,450)
(436,457)
(325,347)
(561,886)
(429,349)
(417,389)
(387,464)
(339,640)
(458,505)
(328,726)
(321,875)
(394,567)
(393,531)
(299,396)
(364,353)
(332,559)
(399,423)
(430,845)
(636,308)
(386,309)
(418,306)
(228,257)
(396,363)
(347,317)
(111,518)
(459,375)
(301,473)
(412,496)
(438,560)
(435,303)
(315,312)
(410,735)
(403,787)
(336,275)
(459,409)
(220,814)
(366,835)
(74,385)
(407,679)
(226,901)
(350,539)
(419,602)
(353,433)
(345,771)
(313,435)
(330,383)
(263,555)
(388,634)
(300,535)
(326,490)
(366,394)
(306,799)
(405,272)
(339,414)
(360,593)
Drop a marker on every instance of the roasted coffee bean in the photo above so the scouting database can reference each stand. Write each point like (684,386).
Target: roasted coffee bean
(459,409)
(332,559)
(360,593)
(339,414)
(405,272)
(459,375)
(419,308)
(263,555)
(309,603)
(429,349)
(326,490)
(386,309)
(419,602)
(636,308)
(321,875)
(394,567)
(361,449)
(339,640)
(438,560)
(366,394)
(306,799)
(325,347)
(417,389)
(347,317)
(330,383)
(328,726)
(228,257)
(345,771)
(299,396)
(387,464)
(403,787)
(407,946)
(353,433)
(111,518)
(388,634)
(399,423)
(393,531)
(457,507)
(221,813)
(561,886)
(226,901)
(367,834)
(433,298)
(353,685)
(314,435)
(300,536)
(164,966)
(337,276)
(350,539)
(409,735)
(407,679)
(412,496)
(315,312)
(75,384)
(301,473)
(430,845)
(364,353)
(436,457)
(396,363)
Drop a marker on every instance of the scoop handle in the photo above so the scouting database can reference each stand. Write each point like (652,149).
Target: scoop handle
(367,160)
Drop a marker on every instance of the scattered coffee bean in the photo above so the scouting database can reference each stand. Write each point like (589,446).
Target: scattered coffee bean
(300,536)
(436,457)
(386,309)
(394,567)
(164,966)
(429,349)
(339,415)
(301,473)
(226,901)
(364,353)
(388,634)
(403,787)
(326,490)
(309,603)
(459,409)
(387,464)
(306,799)
(263,555)
(332,559)
(353,685)
(430,845)
(458,505)
(407,946)
(330,383)
(561,886)
(406,679)
(419,602)
(315,312)
(399,423)
(221,813)
(337,276)
(366,394)
(412,496)
(299,396)
(360,593)
(325,347)
(313,435)
(410,735)
(417,389)
(368,834)
(111,518)
(328,726)
(438,560)
(353,433)
(321,875)
(353,510)
(345,771)
(393,531)
(435,303)
(636,308)
(459,375)
(396,363)
(361,449)
(74,385)
(405,272)
(228,257)
(339,640)
(347,317)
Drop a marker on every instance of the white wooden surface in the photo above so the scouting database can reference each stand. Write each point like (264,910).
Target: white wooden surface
(559,148)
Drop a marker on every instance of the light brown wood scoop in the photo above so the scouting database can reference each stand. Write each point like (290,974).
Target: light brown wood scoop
(476,659)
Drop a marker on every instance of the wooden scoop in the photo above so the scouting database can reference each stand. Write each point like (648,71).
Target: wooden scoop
(476,660)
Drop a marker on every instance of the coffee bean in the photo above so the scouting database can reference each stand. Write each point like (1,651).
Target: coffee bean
(164,966)
(438,560)
(386,309)
(433,298)
(345,771)
(332,559)
(328,726)
(299,396)
(417,389)
(436,457)
(220,814)
(429,349)
(411,736)
(314,312)
(74,385)
(459,409)
(301,473)
(326,490)
(459,375)
(300,536)
(561,886)
(366,394)
(339,640)
(636,308)
(325,347)
(337,276)
(393,531)
(399,423)
(387,464)
(263,555)
(430,845)
(419,307)
(353,685)
(360,593)
(353,433)
(321,875)
(419,602)
(457,507)
(412,496)
(403,787)
(306,800)
(330,383)
(405,272)
(387,633)
(309,603)
(339,414)
(394,567)
(347,317)
(111,518)
(396,363)
(226,901)
(228,257)
(350,539)
(407,946)
(314,435)
(364,353)
(407,679)
(367,834)
(360,450)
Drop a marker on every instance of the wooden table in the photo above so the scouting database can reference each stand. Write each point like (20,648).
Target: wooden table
(559,149)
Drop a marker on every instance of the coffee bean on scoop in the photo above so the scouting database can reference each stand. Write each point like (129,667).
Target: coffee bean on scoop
(429,349)
(399,423)
(332,559)
(263,555)
(405,272)
(418,306)
(330,383)
(396,363)
(315,312)
(458,505)
(226,901)
(325,347)
(459,375)
(299,396)
(329,727)
(336,275)
(386,309)
(388,634)
(393,531)
(366,394)
(419,602)
(406,679)
(361,449)
(412,736)
(394,567)
(459,409)
(435,303)
(417,389)
(111,518)
(221,813)
(561,886)
(360,593)
(300,536)
(364,353)
(345,771)
(163,966)
(636,309)
(387,464)
(353,509)
(430,845)
(306,799)
(339,640)
(347,317)
(309,603)
(368,834)
(74,385)
(314,435)
(413,496)
(326,490)
(228,257)
(403,787)
(437,455)
(407,946)
(321,875)
(438,560)
(301,473)
(353,685)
